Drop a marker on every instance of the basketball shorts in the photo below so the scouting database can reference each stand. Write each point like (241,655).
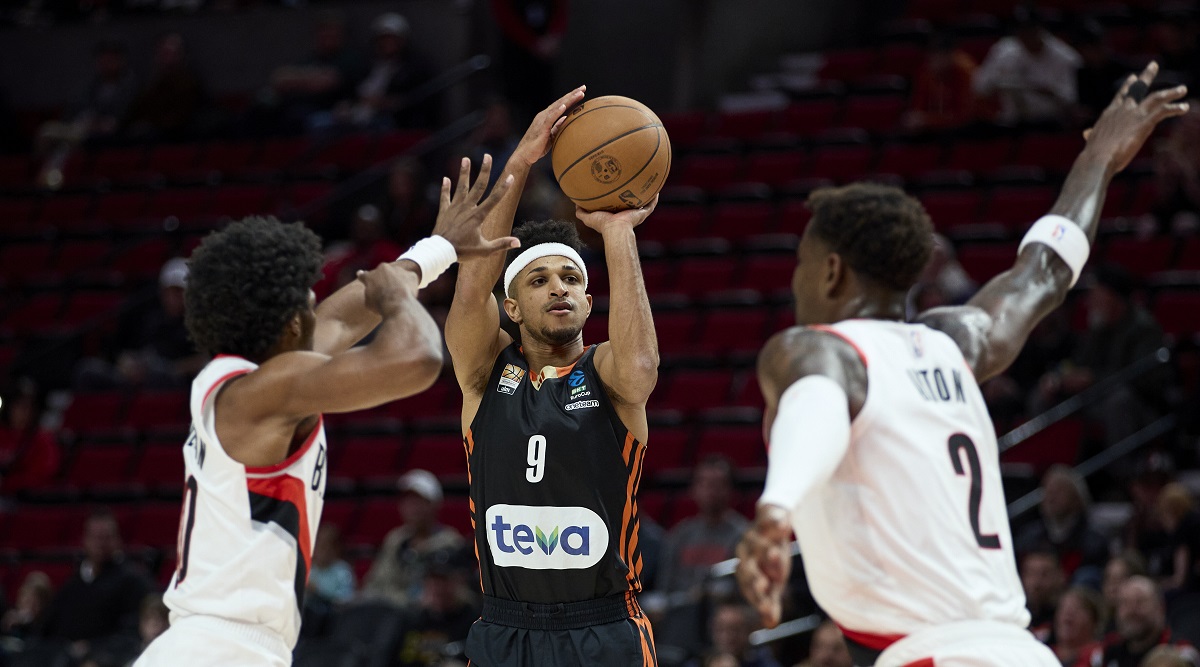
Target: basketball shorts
(513,634)
(202,641)
(969,644)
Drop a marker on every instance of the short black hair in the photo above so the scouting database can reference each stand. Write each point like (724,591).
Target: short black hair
(535,232)
(883,233)
(246,281)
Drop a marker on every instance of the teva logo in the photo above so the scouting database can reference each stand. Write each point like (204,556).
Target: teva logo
(545,538)
(510,378)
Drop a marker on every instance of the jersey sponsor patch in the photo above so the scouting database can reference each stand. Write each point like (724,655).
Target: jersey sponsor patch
(545,538)
(510,378)
(581,405)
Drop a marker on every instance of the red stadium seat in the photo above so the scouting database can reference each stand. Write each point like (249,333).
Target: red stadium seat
(776,167)
(157,525)
(694,390)
(952,208)
(873,113)
(1189,256)
(737,221)
(84,307)
(809,118)
(303,194)
(901,59)
(158,410)
(117,163)
(39,313)
(100,465)
(671,223)
(229,156)
(675,329)
(1145,196)
(440,400)
(700,276)
(744,125)
(91,412)
(173,161)
(161,466)
(935,10)
(442,454)
(794,216)
(709,171)
(657,276)
(979,155)
(686,128)
(742,445)
(15,171)
(1141,257)
(909,160)
(345,153)
(341,514)
(376,517)
(1178,312)
(44,527)
(666,449)
(750,393)
(1116,200)
(18,261)
(595,330)
(849,65)
(237,201)
(1049,151)
(143,260)
(984,261)
(283,153)
(65,209)
(185,204)
(366,458)
(77,256)
(735,330)
(842,163)
(455,512)
(1019,208)
(121,207)
(394,144)
(768,273)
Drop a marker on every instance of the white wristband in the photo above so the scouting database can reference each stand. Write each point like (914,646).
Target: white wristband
(433,255)
(1064,237)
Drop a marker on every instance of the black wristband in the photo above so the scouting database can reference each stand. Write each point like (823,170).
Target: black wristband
(1137,91)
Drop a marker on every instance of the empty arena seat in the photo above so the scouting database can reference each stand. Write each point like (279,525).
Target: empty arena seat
(985,261)
(456,513)
(695,390)
(749,393)
(117,163)
(768,273)
(80,255)
(161,466)
(283,154)
(442,454)
(1019,208)
(65,209)
(44,527)
(228,157)
(809,118)
(1189,255)
(685,128)
(395,144)
(156,525)
(237,201)
(37,314)
(742,445)
(1056,444)
(908,160)
(708,171)
(1178,312)
(841,163)
(848,65)
(15,170)
(666,449)
(142,260)
(744,125)
(671,223)
(675,329)
(367,458)
(952,208)
(1141,257)
(732,330)
(698,276)
(94,411)
(595,329)
(173,160)
(88,306)
(100,465)
(158,410)
(1049,151)
(873,113)
(776,167)
(376,517)
(900,59)
(736,221)
(979,155)
(183,203)
(19,261)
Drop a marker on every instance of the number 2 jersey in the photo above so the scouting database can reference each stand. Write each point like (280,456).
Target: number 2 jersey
(554,477)
(246,534)
(912,529)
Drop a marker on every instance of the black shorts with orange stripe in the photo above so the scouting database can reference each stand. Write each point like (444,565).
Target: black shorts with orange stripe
(522,635)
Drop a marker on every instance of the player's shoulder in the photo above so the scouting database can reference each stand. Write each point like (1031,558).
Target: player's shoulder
(966,326)
(800,351)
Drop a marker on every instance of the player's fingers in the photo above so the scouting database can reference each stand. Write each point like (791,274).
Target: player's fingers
(1166,96)
(496,194)
(464,179)
(1124,89)
(503,244)
(557,127)
(444,199)
(1148,74)
(485,174)
(566,101)
(1171,111)
(1087,134)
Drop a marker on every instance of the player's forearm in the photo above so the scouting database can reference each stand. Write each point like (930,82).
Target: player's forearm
(1082,196)
(406,352)
(630,322)
(343,319)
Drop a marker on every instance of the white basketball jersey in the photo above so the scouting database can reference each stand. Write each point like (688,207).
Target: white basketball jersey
(246,534)
(912,529)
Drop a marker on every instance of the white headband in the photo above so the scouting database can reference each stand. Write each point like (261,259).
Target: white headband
(534,253)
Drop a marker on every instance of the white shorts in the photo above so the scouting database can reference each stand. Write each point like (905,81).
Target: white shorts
(969,644)
(204,641)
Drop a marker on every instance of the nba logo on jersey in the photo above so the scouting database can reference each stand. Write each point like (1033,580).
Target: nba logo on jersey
(510,378)
(917,347)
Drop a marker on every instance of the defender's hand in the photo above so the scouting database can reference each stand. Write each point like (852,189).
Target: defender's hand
(1125,125)
(545,127)
(387,286)
(460,217)
(765,561)
(602,220)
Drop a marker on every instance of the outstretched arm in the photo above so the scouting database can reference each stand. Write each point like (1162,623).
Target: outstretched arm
(343,319)
(628,363)
(814,384)
(994,325)
(473,333)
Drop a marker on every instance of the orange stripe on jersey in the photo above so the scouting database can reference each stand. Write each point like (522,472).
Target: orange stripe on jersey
(288,489)
(470,440)
(629,440)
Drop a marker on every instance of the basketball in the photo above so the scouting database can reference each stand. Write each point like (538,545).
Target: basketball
(612,153)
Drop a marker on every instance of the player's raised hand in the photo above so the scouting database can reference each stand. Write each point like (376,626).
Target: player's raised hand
(765,561)
(461,214)
(545,127)
(1132,115)
(602,220)
(387,286)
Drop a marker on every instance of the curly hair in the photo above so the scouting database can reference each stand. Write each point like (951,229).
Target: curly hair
(884,234)
(536,232)
(246,281)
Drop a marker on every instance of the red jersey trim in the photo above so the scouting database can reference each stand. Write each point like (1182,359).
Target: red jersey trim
(288,489)
(220,381)
(835,332)
(312,437)
(876,642)
(923,662)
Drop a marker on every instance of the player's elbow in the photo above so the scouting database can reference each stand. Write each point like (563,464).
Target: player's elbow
(425,367)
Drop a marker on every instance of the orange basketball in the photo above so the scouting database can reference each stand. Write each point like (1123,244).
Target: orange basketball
(611,154)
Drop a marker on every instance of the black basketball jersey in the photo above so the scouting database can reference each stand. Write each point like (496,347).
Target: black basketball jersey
(554,477)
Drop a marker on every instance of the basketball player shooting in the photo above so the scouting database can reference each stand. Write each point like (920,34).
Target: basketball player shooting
(256,458)
(555,432)
(883,458)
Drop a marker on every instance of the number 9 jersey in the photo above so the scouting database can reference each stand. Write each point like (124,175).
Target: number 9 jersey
(554,476)
(246,534)
(912,529)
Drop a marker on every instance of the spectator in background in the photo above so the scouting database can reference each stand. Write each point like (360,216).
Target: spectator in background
(1141,626)
(1144,532)
(407,210)
(325,78)
(24,620)
(331,577)
(531,34)
(168,106)
(443,613)
(730,629)
(696,544)
(1043,580)
(941,96)
(29,453)
(1077,624)
(368,247)
(1177,512)
(381,99)
(1120,569)
(154,349)
(828,648)
(1030,73)
(1063,524)
(1169,656)
(1177,173)
(102,600)
(1119,333)
(398,572)
(1100,73)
